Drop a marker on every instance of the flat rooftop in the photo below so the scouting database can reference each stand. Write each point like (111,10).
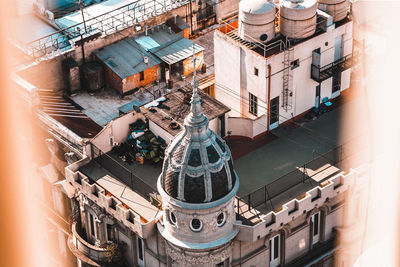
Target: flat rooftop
(303,155)
(105,105)
(177,107)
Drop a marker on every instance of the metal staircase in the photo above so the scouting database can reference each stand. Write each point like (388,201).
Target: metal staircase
(235,36)
(287,78)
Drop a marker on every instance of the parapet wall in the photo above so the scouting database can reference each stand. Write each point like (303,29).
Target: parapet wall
(314,198)
(110,203)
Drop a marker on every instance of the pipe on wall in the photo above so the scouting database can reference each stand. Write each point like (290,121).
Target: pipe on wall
(269,96)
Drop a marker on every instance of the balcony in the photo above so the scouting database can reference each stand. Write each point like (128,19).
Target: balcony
(83,250)
(320,74)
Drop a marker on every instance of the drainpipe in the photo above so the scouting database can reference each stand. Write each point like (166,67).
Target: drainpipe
(269,96)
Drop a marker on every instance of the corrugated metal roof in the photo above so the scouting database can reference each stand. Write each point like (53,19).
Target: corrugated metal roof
(171,47)
(176,50)
(126,58)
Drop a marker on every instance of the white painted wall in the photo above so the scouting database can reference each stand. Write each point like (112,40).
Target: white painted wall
(240,126)
(345,82)
(116,131)
(158,131)
(214,125)
(227,75)
(235,78)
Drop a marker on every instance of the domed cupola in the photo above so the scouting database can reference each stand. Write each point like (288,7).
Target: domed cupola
(198,187)
(197,166)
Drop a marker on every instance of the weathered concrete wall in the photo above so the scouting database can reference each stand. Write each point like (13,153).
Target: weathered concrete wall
(250,253)
(297,244)
(45,74)
(150,75)
(226,8)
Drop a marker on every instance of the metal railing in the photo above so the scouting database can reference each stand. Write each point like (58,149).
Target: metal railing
(252,43)
(124,175)
(320,74)
(105,24)
(267,193)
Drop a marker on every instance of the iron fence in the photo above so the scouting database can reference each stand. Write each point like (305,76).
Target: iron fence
(105,24)
(124,175)
(266,194)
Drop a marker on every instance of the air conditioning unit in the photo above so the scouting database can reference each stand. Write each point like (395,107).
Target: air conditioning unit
(146,60)
(49,15)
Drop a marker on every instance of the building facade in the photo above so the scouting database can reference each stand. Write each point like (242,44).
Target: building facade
(268,83)
(198,221)
(193,216)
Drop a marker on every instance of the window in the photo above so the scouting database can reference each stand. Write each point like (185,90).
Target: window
(141,75)
(315,219)
(274,113)
(295,63)
(196,225)
(140,251)
(224,263)
(274,244)
(336,82)
(221,219)
(256,71)
(252,104)
(91,219)
(110,232)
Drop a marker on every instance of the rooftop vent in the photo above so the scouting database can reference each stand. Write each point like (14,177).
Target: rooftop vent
(146,60)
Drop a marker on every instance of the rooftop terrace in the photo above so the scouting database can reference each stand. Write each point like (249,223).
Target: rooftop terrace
(278,44)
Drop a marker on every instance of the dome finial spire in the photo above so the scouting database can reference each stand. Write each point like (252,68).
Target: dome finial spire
(195,102)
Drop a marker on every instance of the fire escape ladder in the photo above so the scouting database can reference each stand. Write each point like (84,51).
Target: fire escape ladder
(287,79)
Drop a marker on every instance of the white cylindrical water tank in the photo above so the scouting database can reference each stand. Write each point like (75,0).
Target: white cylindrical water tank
(336,8)
(256,20)
(298,18)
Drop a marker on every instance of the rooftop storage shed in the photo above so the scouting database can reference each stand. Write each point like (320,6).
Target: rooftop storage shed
(173,49)
(128,66)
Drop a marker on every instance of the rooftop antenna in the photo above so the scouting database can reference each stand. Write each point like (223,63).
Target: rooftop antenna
(81,6)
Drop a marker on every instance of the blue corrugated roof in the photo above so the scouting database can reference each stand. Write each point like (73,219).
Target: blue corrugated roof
(171,47)
(126,58)
(146,42)
(176,50)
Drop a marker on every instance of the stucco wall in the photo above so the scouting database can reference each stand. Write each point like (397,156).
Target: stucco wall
(235,65)
(226,8)
(227,72)
(116,131)
(158,131)
(297,244)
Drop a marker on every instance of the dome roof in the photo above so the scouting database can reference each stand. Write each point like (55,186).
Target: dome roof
(198,165)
